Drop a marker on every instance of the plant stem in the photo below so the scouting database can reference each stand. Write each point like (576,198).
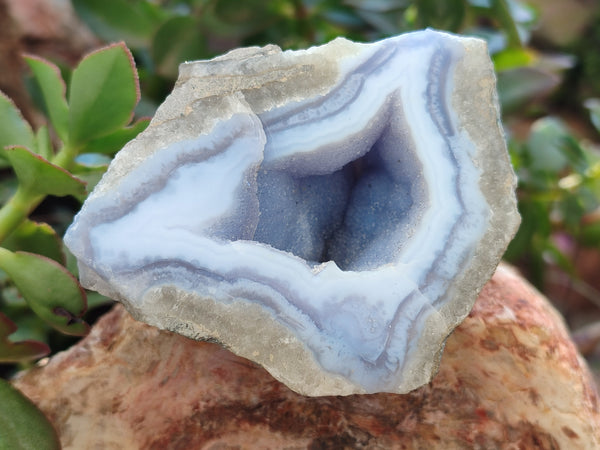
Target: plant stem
(16,210)
(23,202)
(502,12)
(65,157)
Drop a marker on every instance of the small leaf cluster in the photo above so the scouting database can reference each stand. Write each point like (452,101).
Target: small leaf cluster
(558,192)
(163,34)
(58,159)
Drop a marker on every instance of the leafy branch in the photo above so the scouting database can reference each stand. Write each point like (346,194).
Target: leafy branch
(102,96)
(92,125)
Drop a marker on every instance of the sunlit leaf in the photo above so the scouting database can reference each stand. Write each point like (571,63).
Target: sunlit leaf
(53,89)
(50,289)
(22,425)
(39,176)
(512,58)
(18,351)
(103,93)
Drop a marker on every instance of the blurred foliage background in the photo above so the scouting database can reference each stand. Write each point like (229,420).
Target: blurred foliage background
(546,54)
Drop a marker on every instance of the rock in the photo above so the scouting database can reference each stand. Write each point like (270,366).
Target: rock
(509,378)
(329,213)
(51,29)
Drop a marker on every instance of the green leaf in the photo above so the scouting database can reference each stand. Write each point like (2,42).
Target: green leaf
(380,6)
(559,258)
(502,12)
(114,20)
(39,176)
(112,143)
(441,14)
(590,234)
(18,351)
(49,289)
(103,93)
(95,300)
(8,187)
(517,87)
(535,223)
(43,143)
(14,130)
(36,238)
(90,173)
(23,425)
(177,40)
(571,210)
(512,58)
(593,105)
(545,145)
(29,326)
(53,89)
(575,154)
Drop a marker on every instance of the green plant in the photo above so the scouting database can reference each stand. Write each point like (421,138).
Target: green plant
(559,195)
(23,425)
(163,34)
(93,122)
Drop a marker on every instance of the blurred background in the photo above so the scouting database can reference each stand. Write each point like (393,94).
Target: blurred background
(547,58)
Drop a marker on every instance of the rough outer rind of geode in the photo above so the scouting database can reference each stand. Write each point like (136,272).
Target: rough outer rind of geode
(330,214)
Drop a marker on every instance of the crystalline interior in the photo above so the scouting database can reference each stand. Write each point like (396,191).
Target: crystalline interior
(350,216)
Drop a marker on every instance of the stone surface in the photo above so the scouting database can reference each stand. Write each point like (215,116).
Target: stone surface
(509,378)
(329,213)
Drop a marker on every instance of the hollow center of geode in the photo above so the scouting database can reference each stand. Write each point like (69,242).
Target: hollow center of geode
(352,216)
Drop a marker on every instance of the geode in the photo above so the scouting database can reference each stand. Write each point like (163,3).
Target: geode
(329,213)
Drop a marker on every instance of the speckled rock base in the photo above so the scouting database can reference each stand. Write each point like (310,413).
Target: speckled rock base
(509,378)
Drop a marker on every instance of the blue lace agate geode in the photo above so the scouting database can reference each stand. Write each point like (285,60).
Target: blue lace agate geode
(329,213)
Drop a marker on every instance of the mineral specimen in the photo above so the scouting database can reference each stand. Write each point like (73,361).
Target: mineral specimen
(330,214)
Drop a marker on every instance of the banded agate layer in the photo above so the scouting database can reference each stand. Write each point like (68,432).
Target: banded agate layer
(330,214)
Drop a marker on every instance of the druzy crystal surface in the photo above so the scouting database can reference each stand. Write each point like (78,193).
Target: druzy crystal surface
(329,213)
